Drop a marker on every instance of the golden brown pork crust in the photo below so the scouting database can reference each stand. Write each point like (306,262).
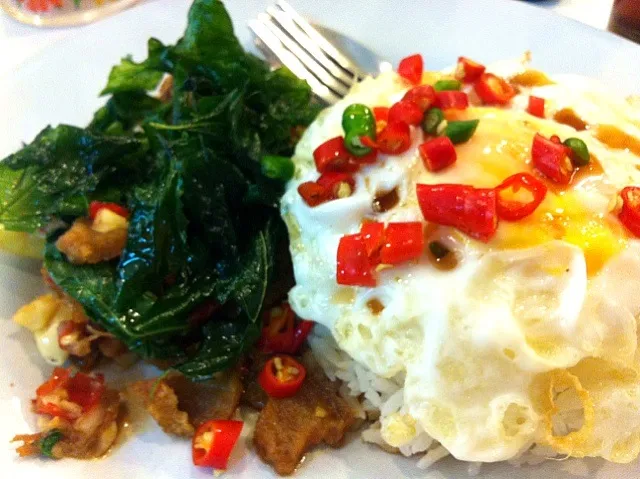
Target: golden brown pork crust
(179,405)
(83,245)
(161,401)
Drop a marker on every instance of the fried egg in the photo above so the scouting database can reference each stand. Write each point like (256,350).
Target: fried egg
(490,344)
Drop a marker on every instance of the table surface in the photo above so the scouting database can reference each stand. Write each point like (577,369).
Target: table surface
(20,42)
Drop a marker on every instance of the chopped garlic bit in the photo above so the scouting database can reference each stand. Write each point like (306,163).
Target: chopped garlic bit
(106,220)
(320,412)
(37,315)
(344,190)
(278,363)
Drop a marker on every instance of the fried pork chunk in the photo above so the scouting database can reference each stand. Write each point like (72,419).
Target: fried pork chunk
(83,244)
(180,405)
(287,428)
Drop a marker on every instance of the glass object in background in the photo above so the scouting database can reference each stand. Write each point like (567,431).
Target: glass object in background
(625,19)
(62,13)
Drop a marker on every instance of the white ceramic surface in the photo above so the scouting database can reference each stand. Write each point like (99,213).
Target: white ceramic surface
(60,86)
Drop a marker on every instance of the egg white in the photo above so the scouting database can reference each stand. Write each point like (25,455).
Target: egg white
(473,340)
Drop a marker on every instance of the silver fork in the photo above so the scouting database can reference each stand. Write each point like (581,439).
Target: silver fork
(282,33)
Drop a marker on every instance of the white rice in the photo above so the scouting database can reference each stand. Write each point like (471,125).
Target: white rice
(374,396)
(379,396)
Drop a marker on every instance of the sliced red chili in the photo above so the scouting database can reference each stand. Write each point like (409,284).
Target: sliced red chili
(438,153)
(337,185)
(381,113)
(372,233)
(300,334)
(282,376)
(552,159)
(280,333)
(312,193)
(96,206)
(370,158)
(213,442)
(405,111)
(394,139)
(470,210)
(58,379)
(424,96)
(452,99)
(86,390)
(493,90)
(402,242)
(510,205)
(630,213)
(353,266)
(468,70)
(277,332)
(536,106)
(411,67)
(333,155)
(51,409)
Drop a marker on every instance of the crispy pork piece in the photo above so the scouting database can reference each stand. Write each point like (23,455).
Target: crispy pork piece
(161,401)
(81,244)
(287,428)
(179,405)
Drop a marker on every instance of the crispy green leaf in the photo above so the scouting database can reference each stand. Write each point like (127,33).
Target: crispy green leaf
(94,286)
(204,222)
(226,341)
(210,47)
(224,344)
(131,76)
(58,172)
(156,241)
(125,111)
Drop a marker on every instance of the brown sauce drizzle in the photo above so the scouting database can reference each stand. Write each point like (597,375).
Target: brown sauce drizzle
(567,116)
(447,262)
(593,168)
(531,78)
(614,137)
(385,201)
(375,306)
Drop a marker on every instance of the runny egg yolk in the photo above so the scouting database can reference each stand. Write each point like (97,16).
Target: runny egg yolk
(500,148)
(563,217)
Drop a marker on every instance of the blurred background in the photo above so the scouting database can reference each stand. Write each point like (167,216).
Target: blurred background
(27,26)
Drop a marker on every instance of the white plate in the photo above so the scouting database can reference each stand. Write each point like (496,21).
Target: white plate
(60,86)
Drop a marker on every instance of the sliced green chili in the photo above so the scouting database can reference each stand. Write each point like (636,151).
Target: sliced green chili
(277,167)
(50,440)
(432,119)
(580,152)
(357,121)
(460,131)
(447,85)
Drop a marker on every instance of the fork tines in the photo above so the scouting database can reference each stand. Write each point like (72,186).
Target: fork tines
(283,33)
